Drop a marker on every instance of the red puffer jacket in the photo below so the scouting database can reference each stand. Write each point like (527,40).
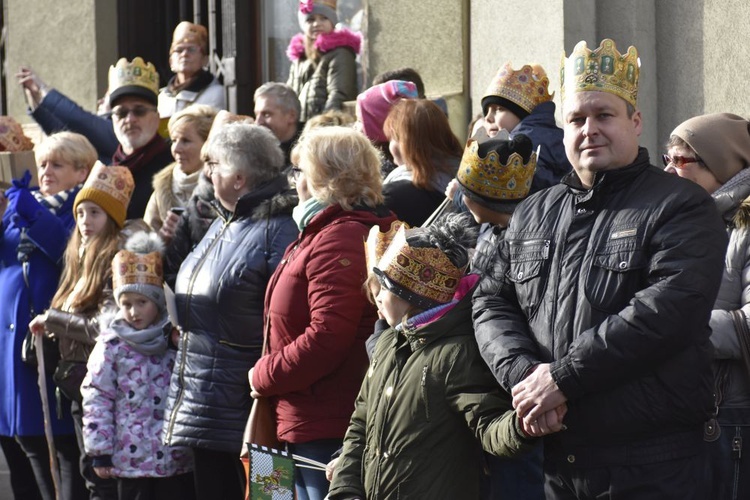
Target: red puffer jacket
(319,319)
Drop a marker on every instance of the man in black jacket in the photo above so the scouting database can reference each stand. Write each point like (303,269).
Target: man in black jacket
(600,313)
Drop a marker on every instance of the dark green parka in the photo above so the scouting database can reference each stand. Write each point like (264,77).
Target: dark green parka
(426,407)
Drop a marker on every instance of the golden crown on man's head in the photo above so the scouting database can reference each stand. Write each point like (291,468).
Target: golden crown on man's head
(604,69)
(135,72)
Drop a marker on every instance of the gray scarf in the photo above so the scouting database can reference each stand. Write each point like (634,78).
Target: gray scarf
(150,340)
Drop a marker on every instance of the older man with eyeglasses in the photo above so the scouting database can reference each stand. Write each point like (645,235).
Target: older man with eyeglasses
(133,95)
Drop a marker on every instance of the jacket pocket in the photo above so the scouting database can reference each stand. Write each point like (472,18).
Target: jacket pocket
(616,274)
(529,260)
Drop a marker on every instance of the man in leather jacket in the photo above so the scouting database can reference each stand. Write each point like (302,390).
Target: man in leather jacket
(597,311)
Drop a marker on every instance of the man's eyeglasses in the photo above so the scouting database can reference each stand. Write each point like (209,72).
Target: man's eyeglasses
(679,161)
(190,49)
(122,112)
(296,172)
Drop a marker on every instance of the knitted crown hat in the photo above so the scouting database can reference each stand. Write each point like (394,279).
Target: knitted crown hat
(374,104)
(110,188)
(308,8)
(138,268)
(721,140)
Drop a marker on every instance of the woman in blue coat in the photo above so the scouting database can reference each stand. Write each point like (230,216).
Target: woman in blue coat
(36,224)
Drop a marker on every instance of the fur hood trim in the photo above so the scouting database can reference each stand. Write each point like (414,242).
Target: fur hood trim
(742,216)
(282,203)
(324,43)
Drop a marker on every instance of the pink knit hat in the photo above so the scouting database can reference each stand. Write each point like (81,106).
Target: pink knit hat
(374,104)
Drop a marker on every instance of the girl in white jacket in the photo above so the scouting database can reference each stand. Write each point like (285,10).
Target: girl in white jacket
(125,390)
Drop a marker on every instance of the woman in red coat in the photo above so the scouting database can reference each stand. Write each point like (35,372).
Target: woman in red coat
(317,316)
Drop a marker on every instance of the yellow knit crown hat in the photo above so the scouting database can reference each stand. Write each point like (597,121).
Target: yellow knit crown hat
(110,188)
(604,69)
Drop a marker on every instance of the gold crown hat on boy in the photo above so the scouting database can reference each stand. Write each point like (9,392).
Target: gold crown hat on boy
(378,241)
(604,69)
(526,88)
(138,268)
(423,276)
(110,188)
(136,78)
(497,170)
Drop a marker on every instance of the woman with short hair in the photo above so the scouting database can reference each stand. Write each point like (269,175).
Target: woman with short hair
(219,293)
(317,315)
(36,225)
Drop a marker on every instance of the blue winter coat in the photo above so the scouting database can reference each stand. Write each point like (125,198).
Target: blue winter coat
(57,112)
(544,133)
(219,292)
(20,402)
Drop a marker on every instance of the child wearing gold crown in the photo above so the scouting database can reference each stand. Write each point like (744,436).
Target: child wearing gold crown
(125,389)
(324,70)
(428,404)
(495,175)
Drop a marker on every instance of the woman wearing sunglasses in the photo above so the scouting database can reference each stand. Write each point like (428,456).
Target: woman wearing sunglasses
(714,152)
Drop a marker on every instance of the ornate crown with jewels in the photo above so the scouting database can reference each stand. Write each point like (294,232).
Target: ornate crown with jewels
(603,69)
(490,178)
(528,87)
(133,74)
(422,271)
(130,268)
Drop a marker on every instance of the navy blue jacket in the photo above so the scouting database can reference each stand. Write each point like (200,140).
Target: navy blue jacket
(219,291)
(57,112)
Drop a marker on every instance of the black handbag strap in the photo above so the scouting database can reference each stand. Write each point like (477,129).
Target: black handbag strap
(743,335)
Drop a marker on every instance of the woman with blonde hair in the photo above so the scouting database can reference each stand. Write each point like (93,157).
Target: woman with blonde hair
(36,224)
(316,315)
(174,184)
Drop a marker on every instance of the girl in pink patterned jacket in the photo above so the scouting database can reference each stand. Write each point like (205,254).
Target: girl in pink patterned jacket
(125,390)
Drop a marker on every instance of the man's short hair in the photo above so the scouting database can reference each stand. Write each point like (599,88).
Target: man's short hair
(285,96)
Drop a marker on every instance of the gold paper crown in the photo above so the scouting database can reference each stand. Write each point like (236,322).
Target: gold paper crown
(527,87)
(425,272)
(603,70)
(187,32)
(136,77)
(129,268)
(490,178)
(377,242)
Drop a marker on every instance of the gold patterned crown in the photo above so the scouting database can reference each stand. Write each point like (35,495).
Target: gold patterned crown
(526,87)
(189,33)
(603,70)
(130,268)
(489,177)
(136,78)
(377,242)
(423,276)
(110,188)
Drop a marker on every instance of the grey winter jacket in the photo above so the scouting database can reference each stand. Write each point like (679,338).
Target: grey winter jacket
(614,287)
(219,293)
(734,206)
